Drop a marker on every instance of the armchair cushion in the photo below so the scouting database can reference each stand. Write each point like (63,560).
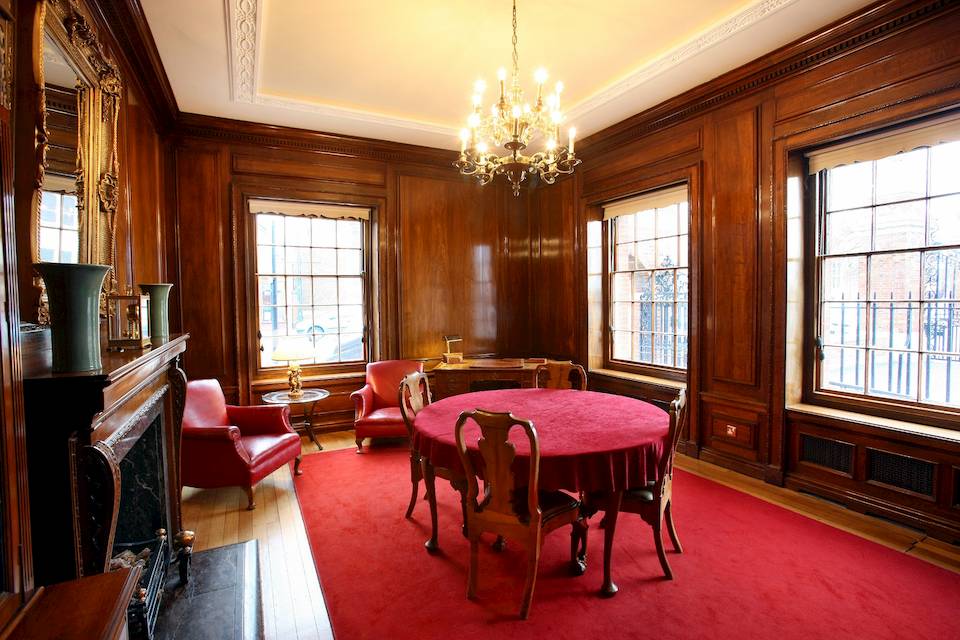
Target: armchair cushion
(385,422)
(261,420)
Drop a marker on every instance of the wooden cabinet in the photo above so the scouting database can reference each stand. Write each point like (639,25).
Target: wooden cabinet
(482,375)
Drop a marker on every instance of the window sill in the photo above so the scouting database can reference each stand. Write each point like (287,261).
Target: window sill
(643,379)
(938,433)
(270,382)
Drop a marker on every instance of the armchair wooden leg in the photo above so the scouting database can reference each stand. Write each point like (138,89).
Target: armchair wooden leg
(251,505)
(359,442)
(671,530)
(533,562)
(296,466)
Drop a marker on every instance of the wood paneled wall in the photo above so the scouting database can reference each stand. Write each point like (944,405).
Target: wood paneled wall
(891,62)
(452,257)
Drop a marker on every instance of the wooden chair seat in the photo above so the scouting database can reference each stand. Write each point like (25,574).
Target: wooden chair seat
(552,504)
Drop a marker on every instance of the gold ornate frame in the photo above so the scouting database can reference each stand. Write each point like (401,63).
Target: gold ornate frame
(98,110)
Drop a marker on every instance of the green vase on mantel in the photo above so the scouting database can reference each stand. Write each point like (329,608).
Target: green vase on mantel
(73,294)
(159,310)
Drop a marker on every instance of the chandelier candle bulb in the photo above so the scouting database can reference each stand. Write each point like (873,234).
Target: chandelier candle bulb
(573,134)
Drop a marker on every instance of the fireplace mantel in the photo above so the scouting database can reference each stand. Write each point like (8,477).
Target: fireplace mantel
(103,456)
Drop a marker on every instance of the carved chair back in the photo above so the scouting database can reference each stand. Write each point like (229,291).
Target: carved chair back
(498,454)
(678,414)
(561,375)
(414,396)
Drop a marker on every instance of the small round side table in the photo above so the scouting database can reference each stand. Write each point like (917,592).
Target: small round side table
(309,398)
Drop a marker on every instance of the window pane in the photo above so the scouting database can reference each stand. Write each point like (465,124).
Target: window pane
(902,177)
(621,345)
(621,287)
(941,380)
(69,213)
(663,285)
(625,258)
(270,259)
(895,276)
(642,285)
(900,226)
(895,325)
(595,260)
(844,323)
(944,177)
(351,318)
(626,227)
(646,254)
(273,321)
(69,246)
(298,231)
(842,369)
(298,260)
(683,211)
(351,291)
(893,374)
(50,208)
(299,291)
(849,231)
(667,221)
(941,274)
(663,350)
(850,186)
(323,261)
(326,319)
(621,316)
(683,259)
(351,346)
(643,347)
(324,291)
(348,262)
(941,327)
(667,252)
(272,290)
(270,344)
(844,278)
(682,348)
(943,220)
(324,232)
(642,316)
(594,233)
(327,348)
(683,285)
(349,234)
(683,318)
(301,318)
(269,229)
(646,224)
(663,317)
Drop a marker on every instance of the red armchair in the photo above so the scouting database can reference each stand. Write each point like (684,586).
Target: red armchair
(377,404)
(226,446)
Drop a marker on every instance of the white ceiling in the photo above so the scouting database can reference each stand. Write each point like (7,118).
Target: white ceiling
(404,71)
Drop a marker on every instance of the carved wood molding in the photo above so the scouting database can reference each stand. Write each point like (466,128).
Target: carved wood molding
(829,43)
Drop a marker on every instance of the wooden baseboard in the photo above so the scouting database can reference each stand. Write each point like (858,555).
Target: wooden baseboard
(727,461)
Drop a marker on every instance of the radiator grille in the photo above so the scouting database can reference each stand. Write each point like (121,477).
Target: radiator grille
(826,453)
(900,471)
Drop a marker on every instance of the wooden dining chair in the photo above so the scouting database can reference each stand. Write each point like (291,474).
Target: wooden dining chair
(511,507)
(561,375)
(653,503)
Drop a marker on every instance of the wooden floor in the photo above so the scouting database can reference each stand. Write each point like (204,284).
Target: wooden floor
(293,606)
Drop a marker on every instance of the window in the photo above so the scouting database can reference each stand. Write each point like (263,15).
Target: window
(311,280)
(647,284)
(887,263)
(59,227)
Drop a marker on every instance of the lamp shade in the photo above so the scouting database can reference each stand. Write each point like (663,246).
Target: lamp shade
(292,349)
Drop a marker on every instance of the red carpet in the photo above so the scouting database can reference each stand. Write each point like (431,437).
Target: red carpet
(750,570)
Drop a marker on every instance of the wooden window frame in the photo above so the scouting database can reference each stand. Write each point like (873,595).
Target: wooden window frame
(261,374)
(607,255)
(814,222)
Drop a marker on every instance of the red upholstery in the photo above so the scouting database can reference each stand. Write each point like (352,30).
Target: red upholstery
(377,403)
(226,446)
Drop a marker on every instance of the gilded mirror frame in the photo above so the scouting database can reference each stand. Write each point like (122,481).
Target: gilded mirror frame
(98,107)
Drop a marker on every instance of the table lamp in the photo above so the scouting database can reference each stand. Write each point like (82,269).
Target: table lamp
(291,351)
(450,356)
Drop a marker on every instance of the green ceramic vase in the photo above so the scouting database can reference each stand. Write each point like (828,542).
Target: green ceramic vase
(73,294)
(159,310)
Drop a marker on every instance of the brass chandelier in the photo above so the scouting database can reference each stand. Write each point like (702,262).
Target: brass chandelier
(513,124)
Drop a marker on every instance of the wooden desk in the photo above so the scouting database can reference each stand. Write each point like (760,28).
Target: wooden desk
(483,375)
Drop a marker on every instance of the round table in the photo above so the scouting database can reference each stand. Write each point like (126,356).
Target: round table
(589,441)
(310,397)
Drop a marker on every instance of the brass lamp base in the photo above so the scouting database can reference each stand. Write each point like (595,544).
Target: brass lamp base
(293,377)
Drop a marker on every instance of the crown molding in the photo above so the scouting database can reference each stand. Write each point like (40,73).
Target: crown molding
(838,39)
(679,55)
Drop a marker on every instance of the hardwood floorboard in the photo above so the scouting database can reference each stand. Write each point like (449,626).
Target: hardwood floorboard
(293,603)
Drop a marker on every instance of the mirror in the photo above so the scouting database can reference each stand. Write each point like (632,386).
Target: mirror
(76,186)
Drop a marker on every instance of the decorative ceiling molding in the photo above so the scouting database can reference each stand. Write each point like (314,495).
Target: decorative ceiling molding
(677,56)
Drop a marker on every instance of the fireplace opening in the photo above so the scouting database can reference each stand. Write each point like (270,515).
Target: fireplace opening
(141,533)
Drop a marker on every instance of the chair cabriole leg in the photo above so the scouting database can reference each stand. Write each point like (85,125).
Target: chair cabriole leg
(533,562)
(251,504)
(671,529)
(415,474)
(296,466)
(359,442)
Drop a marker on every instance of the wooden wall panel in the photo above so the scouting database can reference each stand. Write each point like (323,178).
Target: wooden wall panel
(450,265)
(144,191)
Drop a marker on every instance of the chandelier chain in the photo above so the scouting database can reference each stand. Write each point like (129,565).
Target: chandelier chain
(516,56)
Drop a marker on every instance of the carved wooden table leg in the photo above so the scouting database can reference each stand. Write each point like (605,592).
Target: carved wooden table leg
(308,425)
(429,480)
(609,589)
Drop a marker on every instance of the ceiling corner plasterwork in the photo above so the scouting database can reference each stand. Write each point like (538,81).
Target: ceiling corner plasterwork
(677,56)
(243,30)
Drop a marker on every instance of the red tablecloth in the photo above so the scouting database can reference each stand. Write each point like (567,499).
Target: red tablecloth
(589,441)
